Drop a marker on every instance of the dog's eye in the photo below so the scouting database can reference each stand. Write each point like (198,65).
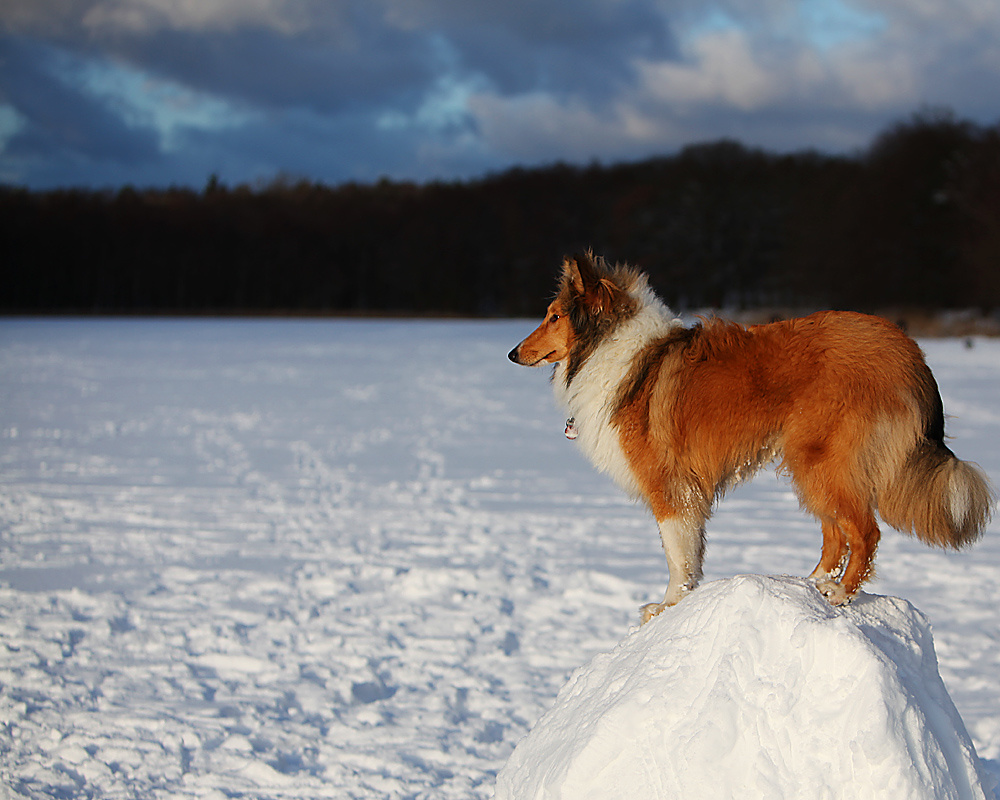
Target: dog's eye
(554,318)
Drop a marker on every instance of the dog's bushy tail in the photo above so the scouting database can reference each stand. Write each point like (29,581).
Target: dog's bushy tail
(942,500)
(931,493)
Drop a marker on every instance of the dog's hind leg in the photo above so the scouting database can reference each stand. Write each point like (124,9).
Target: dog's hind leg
(833,558)
(862,535)
(829,489)
(684,544)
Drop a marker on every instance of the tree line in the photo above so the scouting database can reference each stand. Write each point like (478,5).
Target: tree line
(911,222)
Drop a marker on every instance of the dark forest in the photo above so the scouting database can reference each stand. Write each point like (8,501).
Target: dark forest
(911,222)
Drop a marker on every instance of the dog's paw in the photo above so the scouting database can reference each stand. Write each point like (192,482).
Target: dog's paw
(650,610)
(673,597)
(834,592)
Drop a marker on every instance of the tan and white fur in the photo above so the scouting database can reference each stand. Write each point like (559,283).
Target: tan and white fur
(676,415)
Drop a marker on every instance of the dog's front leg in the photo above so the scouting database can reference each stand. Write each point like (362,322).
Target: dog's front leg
(684,544)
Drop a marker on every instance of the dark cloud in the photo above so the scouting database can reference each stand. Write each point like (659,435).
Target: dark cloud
(361,54)
(263,67)
(577,48)
(60,119)
(315,147)
(425,88)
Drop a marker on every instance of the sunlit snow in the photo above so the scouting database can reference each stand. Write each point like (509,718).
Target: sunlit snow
(346,559)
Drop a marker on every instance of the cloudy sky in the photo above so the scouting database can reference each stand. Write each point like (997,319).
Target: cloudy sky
(157,92)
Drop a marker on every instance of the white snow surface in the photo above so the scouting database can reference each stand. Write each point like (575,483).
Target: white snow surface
(756,687)
(358,559)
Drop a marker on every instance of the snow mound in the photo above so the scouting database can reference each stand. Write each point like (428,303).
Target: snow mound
(756,687)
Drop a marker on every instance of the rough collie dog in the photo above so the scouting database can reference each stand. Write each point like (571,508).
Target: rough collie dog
(676,415)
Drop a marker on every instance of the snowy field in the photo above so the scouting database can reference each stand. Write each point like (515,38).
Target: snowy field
(296,559)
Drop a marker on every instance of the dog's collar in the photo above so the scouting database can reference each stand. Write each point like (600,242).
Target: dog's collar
(571,431)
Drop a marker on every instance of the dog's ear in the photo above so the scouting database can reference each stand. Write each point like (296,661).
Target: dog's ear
(590,284)
(571,277)
(599,290)
(590,271)
(582,273)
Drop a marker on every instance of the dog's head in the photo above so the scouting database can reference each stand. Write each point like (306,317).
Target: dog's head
(590,301)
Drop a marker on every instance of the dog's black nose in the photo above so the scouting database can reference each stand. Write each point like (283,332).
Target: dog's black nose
(512,355)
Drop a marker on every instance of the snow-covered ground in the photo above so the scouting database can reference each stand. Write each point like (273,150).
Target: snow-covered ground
(354,558)
(755,686)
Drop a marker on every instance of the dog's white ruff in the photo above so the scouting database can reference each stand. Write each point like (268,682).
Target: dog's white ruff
(590,397)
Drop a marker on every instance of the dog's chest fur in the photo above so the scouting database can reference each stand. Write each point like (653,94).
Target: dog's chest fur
(591,395)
